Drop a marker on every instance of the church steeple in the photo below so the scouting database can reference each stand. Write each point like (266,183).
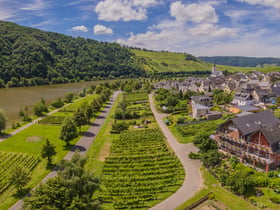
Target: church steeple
(214,69)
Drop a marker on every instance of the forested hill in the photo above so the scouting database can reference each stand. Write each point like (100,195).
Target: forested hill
(242,61)
(33,57)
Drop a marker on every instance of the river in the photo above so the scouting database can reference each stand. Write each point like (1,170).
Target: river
(13,99)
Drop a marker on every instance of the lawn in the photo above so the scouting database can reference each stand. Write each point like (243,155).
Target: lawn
(222,195)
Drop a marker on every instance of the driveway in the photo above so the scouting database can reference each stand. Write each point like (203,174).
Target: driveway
(193,181)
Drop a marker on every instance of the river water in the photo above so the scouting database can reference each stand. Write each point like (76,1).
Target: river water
(13,99)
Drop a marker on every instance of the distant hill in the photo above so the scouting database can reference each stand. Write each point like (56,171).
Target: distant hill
(31,57)
(242,61)
(153,61)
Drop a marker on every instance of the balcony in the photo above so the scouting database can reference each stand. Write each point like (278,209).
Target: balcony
(231,138)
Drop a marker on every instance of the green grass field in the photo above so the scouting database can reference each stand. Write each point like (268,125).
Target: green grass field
(175,62)
(227,198)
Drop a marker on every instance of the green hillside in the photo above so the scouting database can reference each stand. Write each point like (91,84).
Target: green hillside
(153,61)
(31,57)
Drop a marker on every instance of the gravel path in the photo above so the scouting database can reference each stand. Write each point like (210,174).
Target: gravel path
(83,144)
(193,180)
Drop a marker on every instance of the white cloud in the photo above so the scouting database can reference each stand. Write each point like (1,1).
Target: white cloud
(81,28)
(115,10)
(270,3)
(6,14)
(35,5)
(207,29)
(197,13)
(100,29)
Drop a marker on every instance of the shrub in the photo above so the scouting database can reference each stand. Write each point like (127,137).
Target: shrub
(117,127)
(193,155)
(58,103)
(275,199)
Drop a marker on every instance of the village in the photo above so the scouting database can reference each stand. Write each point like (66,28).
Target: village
(252,133)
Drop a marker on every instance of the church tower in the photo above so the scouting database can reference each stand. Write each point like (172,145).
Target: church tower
(214,69)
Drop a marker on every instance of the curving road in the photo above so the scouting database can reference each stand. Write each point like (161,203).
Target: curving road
(83,144)
(193,180)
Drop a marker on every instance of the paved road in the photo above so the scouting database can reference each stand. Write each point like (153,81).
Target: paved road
(83,144)
(193,181)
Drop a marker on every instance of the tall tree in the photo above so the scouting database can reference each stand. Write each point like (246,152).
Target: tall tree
(48,151)
(40,108)
(3,120)
(19,177)
(68,130)
(73,188)
(80,118)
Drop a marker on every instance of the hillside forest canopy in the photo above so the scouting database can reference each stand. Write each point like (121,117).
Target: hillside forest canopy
(31,57)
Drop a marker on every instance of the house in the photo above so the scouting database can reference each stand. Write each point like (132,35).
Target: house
(264,95)
(199,110)
(243,98)
(254,138)
(229,87)
(202,100)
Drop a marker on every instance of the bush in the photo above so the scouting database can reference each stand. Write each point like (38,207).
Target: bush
(193,155)
(275,199)
(117,127)
(58,103)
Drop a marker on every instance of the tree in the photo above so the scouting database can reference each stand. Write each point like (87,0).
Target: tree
(40,108)
(68,130)
(69,97)
(203,142)
(19,177)
(211,158)
(48,151)
(3,120)
(80,118)
(72,188)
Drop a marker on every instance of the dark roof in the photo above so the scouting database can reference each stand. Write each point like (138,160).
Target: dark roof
(247,108)
(276,91)
(252,123)
(272,135)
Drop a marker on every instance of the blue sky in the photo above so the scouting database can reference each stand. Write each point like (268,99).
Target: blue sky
(199,27)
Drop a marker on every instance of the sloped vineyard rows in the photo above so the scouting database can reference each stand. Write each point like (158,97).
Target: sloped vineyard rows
(11,160)
(139,168)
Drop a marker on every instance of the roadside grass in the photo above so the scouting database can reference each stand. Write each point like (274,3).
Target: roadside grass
(94,161)
(222,195)
(265,199)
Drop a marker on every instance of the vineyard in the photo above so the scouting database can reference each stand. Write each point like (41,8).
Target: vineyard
(133,97)
(192,129)
(139,168)
(11,160)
